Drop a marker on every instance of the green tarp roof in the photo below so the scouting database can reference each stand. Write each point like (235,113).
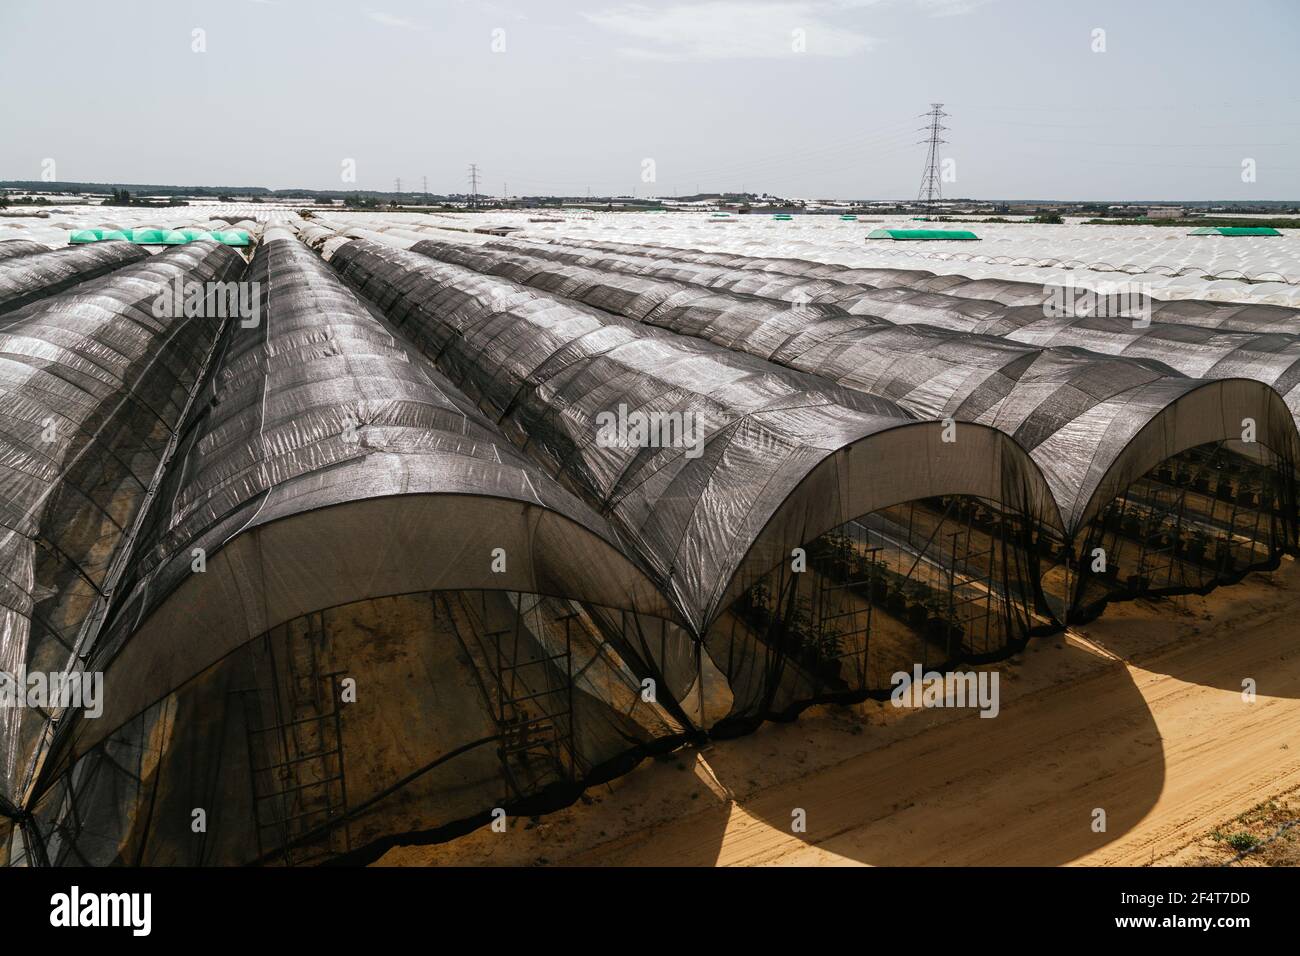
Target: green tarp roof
(1235,231)
(163,237)
(921,234)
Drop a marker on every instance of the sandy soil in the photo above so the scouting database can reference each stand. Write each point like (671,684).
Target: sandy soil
(1265,835)
(1140,715)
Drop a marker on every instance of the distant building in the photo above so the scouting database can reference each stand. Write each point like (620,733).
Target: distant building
(1166,212)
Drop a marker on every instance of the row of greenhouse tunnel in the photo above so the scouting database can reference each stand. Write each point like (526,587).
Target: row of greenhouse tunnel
(362,568)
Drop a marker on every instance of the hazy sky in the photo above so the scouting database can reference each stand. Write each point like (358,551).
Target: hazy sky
(812,98)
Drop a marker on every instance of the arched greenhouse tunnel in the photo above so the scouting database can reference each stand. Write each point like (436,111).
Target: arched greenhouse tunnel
(338,732)
(1035,383)
(355,519)
(936,582)
(1202,518)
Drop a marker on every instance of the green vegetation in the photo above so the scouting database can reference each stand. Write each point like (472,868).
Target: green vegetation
(1243,842)
(1200,221)
(122,197)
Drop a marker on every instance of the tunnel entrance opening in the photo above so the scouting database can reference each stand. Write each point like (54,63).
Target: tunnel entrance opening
(934,581)
(1203,518)
(415,713)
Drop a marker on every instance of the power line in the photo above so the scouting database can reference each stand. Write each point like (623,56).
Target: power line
(931,184)
(473,184)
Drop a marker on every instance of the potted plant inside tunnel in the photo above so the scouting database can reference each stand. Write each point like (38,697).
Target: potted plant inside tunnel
(827,649)
(756,606)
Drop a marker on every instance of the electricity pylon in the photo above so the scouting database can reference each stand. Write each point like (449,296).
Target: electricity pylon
(931,183)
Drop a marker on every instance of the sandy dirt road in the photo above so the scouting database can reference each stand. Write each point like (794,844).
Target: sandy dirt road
(1168,749)
(1140,714)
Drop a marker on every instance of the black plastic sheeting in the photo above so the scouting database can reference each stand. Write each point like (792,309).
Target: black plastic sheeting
(993,306)
(9,248)
(323,406)
(1088,419)
(347,502)
(94,387)
(1197,339)
(28,278)
(1078,413)
(779,464)
(789,458)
